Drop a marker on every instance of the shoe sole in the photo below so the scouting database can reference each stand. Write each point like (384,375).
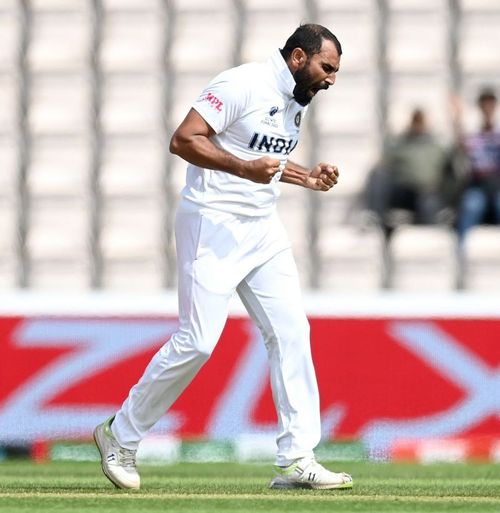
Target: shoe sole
(308,486)
(96,435)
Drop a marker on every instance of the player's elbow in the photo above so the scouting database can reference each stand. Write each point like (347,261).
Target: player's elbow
(176,144)
(182,144)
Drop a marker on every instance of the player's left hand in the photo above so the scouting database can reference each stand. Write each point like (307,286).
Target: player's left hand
(323,177)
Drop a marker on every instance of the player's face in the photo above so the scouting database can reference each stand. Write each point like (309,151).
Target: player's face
(318,72)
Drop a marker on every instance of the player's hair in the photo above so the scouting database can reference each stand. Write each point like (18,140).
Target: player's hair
(310,38)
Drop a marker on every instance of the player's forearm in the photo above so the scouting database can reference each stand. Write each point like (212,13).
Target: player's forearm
(321,177)
(200,151)
(295,174)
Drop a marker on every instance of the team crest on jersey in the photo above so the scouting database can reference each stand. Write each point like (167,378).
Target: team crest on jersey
(298,118)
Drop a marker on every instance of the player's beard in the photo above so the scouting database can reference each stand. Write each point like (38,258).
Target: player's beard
(305,89)
(301,91)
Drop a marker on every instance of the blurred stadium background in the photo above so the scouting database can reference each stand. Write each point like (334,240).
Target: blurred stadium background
(91,91)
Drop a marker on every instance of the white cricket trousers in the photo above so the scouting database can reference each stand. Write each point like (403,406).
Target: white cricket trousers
(220,253)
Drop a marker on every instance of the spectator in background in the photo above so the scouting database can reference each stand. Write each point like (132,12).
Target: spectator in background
(409,177)
(481,192)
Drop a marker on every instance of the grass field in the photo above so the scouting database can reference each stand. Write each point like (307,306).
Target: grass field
(197,487)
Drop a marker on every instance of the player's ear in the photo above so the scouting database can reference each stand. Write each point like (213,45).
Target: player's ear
(298,57)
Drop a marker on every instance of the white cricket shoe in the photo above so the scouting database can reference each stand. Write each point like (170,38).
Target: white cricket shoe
(118,463)
(308,473)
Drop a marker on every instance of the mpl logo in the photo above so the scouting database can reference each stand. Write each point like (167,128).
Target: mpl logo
(214,101)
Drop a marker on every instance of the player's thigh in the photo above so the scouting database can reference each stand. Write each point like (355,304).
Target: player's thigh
(208,250)
(271,293)
(206,283)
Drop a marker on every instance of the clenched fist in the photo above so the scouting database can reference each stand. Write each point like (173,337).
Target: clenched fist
(260,170)
(323,177)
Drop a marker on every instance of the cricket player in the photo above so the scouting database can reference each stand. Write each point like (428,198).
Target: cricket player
(237,138)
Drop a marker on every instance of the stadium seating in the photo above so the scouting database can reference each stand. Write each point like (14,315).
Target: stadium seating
(132,236)
(482,259)
(196,47)
(347,118)
(8,165)
(477,57)
(352,258)
(59,168)
(8,98)
(417,59)
(263,32)
(10,30)
(8,242)
(90,99)
(132,167)
(293,211)
(59,239)
(422,258)
(133,38)
(480,36)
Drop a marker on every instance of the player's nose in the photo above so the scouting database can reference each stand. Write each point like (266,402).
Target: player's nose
(330,80)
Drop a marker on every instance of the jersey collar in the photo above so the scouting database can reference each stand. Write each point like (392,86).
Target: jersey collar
(284,77)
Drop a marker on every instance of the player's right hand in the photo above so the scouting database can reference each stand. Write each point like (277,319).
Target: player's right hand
(261,170)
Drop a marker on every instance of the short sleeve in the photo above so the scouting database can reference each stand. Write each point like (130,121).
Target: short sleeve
(223,101)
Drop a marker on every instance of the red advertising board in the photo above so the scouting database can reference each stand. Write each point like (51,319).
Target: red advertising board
(380,379)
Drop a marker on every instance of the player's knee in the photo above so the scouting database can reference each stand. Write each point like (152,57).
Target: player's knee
(203,344)
(188,343)
(203,350)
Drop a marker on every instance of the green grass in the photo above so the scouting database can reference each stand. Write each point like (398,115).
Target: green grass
(200,488)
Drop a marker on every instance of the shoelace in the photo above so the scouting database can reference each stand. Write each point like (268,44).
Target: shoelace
(127,457)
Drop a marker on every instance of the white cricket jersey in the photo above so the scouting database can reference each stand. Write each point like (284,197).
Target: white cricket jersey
(253,113)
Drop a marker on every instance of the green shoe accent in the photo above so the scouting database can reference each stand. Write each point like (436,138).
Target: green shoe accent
(286,471)
(107,427)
